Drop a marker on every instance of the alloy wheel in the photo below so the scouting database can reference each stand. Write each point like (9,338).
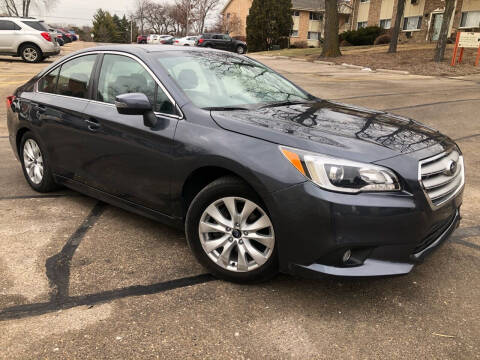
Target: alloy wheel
(236,234)
(33,161)
(30,54)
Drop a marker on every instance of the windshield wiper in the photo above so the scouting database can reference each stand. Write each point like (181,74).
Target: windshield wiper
(283,103)
(225,108)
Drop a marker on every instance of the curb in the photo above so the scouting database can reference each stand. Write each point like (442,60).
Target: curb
(394,71)
(324,62)
(298,59)
(351,66)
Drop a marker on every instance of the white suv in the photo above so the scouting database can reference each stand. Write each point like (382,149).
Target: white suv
(28,38)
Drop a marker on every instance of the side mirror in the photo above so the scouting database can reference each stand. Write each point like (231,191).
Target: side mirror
(136,104)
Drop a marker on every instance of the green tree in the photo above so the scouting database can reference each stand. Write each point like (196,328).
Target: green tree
(104,28)
(268,22)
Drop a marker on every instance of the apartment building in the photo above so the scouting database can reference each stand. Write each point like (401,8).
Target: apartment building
(422,19)
(308,19)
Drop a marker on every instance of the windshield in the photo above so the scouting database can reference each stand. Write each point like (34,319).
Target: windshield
(221,80)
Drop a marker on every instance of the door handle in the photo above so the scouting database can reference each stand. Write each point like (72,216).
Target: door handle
(93,124)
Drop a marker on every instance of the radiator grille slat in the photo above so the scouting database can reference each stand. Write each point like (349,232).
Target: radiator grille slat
(439,182)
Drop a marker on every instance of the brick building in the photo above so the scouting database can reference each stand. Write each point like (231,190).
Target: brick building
(308,19)
(421,22)
(422,19)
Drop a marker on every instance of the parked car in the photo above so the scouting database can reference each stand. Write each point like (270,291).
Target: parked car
(65,37)
(186,41)
(141,39)
(67,34)
(153,39)
(57,36)
(74,36)
(160,39)
(222,42)
(262,175)
(28,38)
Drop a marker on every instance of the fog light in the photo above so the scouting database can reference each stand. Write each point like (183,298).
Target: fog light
(346,256)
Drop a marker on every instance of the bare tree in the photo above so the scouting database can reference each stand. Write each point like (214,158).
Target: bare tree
(204,8)
(442,38)
(396,26)
(331,46)
(140,14)
(23,7)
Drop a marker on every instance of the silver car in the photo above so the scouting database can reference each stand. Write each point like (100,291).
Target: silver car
(28,38)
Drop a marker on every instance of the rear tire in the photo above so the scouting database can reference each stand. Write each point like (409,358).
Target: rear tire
(35,164)
(245,253)
(31,53)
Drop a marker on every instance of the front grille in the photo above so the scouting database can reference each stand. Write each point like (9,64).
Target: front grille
(442,176)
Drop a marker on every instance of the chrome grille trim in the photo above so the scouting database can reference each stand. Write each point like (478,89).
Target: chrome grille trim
(437,183)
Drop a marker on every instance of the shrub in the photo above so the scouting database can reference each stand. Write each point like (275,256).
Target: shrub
(299,45)
(364,36)
(382,39)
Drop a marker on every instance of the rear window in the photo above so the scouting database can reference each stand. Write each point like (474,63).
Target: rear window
(37,25)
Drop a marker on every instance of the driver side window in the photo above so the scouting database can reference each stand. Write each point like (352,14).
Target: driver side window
(121,75)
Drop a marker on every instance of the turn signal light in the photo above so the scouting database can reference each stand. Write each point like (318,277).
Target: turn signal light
(46,36)
(10,100)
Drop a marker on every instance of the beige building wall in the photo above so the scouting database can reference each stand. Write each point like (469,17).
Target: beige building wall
(386,10)
(471,5)
(363,9)
(414,9)
(239,9)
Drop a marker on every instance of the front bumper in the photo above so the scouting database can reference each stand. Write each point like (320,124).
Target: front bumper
(391,232)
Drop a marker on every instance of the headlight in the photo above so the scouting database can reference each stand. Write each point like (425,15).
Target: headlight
(341,175)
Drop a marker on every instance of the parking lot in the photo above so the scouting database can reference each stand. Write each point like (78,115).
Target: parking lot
(82,279)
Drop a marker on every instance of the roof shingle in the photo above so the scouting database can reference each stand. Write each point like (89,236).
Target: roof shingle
(311,5)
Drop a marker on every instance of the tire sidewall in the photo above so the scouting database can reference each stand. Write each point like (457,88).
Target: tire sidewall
(215,191)
(240,47)
(37,49)
(47,183)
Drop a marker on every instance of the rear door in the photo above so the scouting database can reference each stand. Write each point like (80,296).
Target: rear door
(8,34)
(62,96)
(219,42)
(130,160)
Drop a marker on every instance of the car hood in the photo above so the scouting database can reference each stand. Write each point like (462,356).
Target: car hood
(335,129)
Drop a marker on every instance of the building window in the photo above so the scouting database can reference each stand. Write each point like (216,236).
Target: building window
(294,33)
(364,0)
(296,13)
(316,16)
(470,19)
(412,23)
(313,35)
(361,24)
(386,23)
(228,16)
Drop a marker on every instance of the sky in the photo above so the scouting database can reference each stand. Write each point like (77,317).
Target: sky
(80,12)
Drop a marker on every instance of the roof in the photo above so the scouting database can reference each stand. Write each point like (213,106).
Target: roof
(308,5)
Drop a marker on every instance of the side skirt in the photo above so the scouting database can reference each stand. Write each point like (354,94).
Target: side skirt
(121,203)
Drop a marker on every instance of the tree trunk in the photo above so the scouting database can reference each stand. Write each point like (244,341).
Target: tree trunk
(397,26)
(442,38)
(330,46)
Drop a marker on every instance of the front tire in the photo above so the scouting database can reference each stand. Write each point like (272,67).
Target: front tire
(231,233)
(240,50)
(31,53)
(35,164)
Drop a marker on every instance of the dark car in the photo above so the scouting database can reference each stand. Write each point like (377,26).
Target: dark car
(222,42)
(141,39)
(262,175)
(67,38)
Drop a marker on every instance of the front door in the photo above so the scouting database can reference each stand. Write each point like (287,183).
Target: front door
(128,159)
(437,25)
